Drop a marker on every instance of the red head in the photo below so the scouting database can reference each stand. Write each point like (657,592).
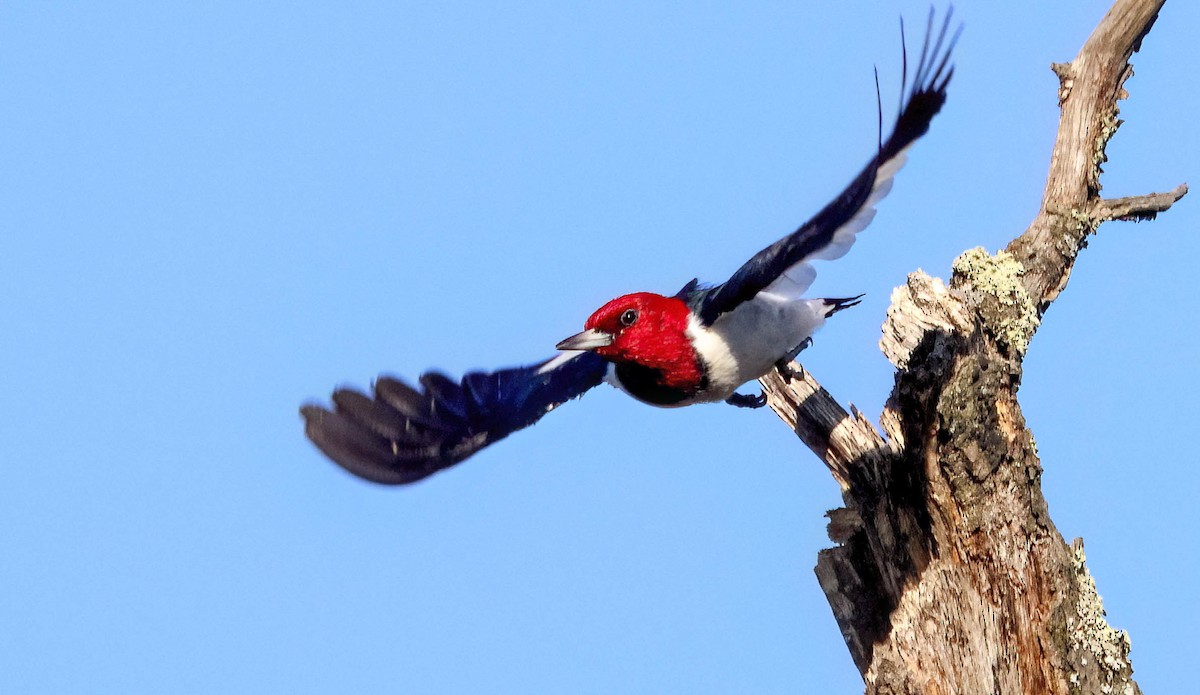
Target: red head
(647,329)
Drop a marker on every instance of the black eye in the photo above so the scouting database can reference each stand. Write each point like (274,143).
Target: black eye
(629,317)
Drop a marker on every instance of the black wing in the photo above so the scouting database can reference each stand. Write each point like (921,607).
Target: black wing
(830,233)
(403,435)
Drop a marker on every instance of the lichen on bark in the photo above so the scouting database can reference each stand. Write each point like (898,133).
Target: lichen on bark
(1098,652)
(948,574)
(1000,298)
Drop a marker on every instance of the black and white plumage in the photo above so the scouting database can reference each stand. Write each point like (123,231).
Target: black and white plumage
(697,346)
(742,327)
(783,268)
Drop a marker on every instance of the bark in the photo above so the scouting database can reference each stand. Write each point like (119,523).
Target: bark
(948,575)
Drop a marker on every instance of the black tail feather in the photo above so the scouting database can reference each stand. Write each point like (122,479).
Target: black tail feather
(834,305)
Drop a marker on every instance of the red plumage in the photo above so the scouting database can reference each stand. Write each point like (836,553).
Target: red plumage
(698,346)
(655,338)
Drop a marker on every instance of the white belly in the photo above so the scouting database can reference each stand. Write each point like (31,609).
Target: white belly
(747,342)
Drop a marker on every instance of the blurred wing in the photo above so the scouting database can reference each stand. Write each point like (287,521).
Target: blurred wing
(403,435)
(782,268)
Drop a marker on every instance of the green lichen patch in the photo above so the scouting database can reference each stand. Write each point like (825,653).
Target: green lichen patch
(1108,127)
(1084,222)
(1008,312)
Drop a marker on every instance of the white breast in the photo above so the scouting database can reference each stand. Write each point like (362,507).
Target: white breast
(745,343)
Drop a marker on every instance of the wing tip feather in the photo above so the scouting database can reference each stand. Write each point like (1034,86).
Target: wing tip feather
(403,434)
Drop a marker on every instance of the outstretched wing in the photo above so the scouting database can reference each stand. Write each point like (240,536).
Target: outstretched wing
(783,267)
(403,435)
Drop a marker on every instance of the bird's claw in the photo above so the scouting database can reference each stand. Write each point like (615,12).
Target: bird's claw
(784,365)
(790,372)
(747,400)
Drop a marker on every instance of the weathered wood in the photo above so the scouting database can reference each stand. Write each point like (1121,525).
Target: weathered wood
(1089,88)
(948,575)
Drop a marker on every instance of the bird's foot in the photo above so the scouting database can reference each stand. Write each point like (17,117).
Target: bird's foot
(746,400)
(784,364)
(788,371)
(795,352)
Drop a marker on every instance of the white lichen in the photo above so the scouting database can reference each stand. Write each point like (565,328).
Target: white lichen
(1090,633)
(1084,222)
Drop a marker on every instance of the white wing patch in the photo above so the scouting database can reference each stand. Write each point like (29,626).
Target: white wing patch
(889,168)
(796,280)
(843,238)
(559,361)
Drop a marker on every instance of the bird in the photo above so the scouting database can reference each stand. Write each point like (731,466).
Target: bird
(699,345)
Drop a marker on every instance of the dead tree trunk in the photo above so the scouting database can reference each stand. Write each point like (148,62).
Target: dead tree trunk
(948,575)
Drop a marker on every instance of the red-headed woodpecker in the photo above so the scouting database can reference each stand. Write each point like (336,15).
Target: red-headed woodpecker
(696,346)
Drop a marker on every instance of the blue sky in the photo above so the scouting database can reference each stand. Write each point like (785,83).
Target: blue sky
(213,212)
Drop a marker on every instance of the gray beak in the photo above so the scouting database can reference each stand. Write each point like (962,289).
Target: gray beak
(587,340)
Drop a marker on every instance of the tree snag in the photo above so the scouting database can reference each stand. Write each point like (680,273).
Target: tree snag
(948,575)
